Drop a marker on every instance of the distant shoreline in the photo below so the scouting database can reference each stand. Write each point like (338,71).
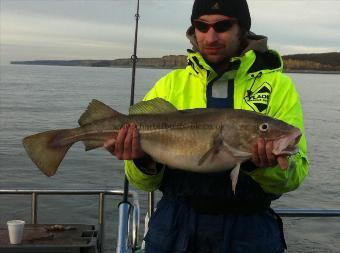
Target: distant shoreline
(297,71)
(306,71)
(323,63)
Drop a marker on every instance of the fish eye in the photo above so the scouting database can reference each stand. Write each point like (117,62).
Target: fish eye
(264,127)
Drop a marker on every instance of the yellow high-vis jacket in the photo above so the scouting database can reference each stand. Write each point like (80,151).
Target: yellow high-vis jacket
(259,85)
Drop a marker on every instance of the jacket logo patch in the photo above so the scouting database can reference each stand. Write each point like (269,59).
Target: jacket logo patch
(216,6)
(258,99)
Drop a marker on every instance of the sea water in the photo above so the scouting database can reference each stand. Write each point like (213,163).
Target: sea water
(40,98)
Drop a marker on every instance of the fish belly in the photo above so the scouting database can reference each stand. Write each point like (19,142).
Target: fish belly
(184,148)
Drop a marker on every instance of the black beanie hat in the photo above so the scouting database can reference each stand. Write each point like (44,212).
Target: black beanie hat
(232,8)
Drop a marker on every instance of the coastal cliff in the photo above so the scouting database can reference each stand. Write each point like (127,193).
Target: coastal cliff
(165,62)
(322,62)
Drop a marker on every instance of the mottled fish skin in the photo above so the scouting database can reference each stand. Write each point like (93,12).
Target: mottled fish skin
(200,140)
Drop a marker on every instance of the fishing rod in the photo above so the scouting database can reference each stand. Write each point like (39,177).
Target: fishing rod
(123,244)
(134,59)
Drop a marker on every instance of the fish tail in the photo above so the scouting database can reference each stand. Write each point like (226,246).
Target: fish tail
(48,149)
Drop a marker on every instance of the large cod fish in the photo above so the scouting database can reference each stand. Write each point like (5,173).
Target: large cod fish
(200,140)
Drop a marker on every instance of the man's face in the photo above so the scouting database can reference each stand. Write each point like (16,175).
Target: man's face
(218,46)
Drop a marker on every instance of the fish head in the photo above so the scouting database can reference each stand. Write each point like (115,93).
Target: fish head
(250,126)
(285,137)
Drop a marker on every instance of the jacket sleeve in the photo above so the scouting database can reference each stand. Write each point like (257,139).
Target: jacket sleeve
(136,176)
(285,105)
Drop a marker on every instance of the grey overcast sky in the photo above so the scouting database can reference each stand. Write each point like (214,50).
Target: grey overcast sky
(104,29)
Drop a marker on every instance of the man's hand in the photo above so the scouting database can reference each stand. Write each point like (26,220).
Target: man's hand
(263,155)
(127,145)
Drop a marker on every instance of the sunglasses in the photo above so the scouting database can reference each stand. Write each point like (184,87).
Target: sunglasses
(219,26)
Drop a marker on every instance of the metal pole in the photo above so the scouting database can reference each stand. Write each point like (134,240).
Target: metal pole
(123,243)
(101,220)
(34,210)
(310,212)
(151,203)
(101,208)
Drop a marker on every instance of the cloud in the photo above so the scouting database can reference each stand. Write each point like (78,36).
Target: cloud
(105,29)
(81,39)
(43,29)
(81,36)
(298,26)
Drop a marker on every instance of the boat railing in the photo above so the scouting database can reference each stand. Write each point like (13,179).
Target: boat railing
(307,212)
(134,214)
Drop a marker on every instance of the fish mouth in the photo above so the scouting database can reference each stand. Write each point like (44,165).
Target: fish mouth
(286,144)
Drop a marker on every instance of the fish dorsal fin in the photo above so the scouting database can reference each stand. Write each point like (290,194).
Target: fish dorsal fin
(96,110)
(153,106)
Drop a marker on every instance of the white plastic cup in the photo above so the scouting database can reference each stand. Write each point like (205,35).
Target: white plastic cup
(15,230)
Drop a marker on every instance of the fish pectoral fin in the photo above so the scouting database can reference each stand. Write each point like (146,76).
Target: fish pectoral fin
(214,150)
(210,153)
(234,176)
(96,110)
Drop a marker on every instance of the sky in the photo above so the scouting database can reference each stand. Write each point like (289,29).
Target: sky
(104,29)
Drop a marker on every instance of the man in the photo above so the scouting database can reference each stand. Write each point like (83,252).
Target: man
(229,67)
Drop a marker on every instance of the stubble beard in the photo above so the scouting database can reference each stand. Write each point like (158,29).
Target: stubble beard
(227,53)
